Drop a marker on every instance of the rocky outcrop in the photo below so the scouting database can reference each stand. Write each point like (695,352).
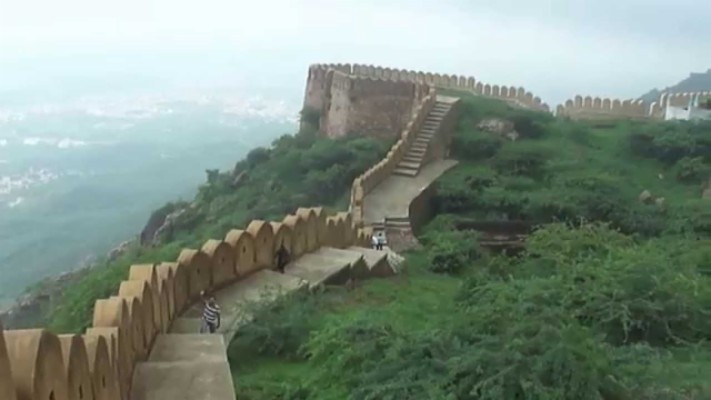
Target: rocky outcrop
(29,309)
(160,224)
(646,197)
(499,127)
(119,250)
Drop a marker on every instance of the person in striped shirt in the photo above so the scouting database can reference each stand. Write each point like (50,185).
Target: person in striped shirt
(210,314)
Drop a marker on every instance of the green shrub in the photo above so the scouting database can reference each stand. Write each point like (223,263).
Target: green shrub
(692,170)
(451,252)
(279,328)
(476,145)
(529,126)
(522,158)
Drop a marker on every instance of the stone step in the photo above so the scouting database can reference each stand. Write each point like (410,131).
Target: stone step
(321,268)
(409,165)
(397,222)
(204,380)
(419,147)
(419,152)
(425,135)
(261,286)
(397,219)
(422,140)
(437,113)
(358,263)
(429,131)
(413,158)
(404,172)
(188,347)
(377,262)
(184,367)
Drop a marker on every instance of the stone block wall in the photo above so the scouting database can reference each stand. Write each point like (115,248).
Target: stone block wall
(377,101)
(367,181)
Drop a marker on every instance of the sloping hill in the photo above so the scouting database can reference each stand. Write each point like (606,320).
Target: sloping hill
(696,82)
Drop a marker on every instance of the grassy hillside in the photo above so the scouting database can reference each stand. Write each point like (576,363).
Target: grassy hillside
(269,183)
(610,300)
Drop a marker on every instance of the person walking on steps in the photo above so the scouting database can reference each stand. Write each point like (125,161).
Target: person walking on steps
(381,241)
(374,241)
(210,314)
(282,256)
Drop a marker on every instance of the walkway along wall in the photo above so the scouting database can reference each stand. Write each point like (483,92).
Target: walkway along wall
(365,183)
(39,365)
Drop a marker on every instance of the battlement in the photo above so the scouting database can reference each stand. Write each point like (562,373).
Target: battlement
(597,108)
(39,365)
(377,101)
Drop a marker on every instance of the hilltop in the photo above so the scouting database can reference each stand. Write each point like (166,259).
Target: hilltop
(619,245)
(548,257)
(695,82)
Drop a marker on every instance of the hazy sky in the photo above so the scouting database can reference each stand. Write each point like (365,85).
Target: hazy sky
(554,48)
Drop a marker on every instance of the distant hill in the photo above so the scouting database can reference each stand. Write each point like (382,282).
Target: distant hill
(696,82)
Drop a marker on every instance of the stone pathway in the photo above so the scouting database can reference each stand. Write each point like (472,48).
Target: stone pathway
(186,365)
(393,196)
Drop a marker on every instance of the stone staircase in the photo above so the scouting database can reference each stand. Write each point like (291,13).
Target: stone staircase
(186,365)
(415,156)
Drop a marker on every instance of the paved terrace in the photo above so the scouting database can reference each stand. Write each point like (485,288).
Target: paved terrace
(393,196)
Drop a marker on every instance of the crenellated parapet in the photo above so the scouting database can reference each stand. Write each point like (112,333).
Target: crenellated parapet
(377,101)
(514,95)
(597,108)
(39,365)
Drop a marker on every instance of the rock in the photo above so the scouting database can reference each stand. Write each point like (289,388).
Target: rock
(167,226)
(661,202)
(513,135)
(706,195)
(646,197)
(239,180)
(119,250)
(500,127)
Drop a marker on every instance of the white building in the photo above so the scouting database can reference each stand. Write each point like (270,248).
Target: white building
(692,112)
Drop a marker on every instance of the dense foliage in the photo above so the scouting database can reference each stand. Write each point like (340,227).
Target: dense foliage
(299,170)
(585,313)
(610,300)
(568,171)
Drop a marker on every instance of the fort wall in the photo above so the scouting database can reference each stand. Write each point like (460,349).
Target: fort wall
(589,108)
(39,365)
(376,101)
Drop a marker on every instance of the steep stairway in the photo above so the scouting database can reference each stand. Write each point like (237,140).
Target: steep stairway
(415,156)
(186,365)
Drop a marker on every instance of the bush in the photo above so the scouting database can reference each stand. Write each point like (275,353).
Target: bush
(529,126)
(522,158)
(451,252)
(475,145)
(279,328)
(692,170)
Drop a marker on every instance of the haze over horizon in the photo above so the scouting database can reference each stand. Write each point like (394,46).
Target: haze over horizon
(553,48)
